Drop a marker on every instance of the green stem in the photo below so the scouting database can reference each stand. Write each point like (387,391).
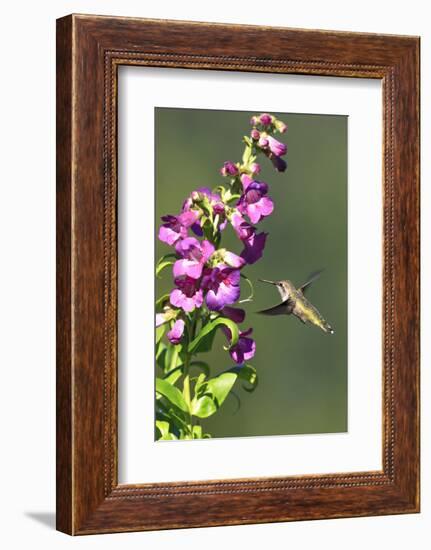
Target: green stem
(187,359)
(186,383)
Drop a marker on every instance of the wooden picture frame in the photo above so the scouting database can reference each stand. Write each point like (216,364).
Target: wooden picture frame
(89,51)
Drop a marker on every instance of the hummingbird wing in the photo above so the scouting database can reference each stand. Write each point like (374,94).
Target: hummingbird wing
(311,278)
(279,309)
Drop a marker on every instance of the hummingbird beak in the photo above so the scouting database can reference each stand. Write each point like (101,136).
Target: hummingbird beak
(266,281)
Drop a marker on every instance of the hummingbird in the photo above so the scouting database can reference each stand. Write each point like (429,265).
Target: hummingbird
(294,302)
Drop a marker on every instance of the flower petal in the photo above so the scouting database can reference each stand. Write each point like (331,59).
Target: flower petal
(191,268)
(225,294)
(245,349)
(233,260)
(179,299)
(176,332)
(235,314)
(168,235)
(160,319)
(253,248)
(246,181)
(187,219)
(279,149)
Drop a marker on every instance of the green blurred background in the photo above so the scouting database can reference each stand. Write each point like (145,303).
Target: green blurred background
(302,371)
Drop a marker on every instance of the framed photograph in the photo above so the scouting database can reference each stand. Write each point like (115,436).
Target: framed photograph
(237,274)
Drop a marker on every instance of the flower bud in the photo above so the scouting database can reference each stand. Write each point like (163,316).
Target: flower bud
(255,134)
(254,120)
(229,169)
(281,126)
(265,119)
(255,168)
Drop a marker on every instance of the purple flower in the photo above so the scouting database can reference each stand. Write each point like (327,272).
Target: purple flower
(176,332)
(242,228)
(265,119)
(246,180)
(175,227)
(279,164)
(222,283)
(194,256)
(253,247)
(188,295)
(253,202)
(276,147)
(229,169)
(263,142)
(244,349)
(235,314)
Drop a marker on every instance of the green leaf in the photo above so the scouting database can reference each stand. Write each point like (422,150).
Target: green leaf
(247,154)
(197,432)
(171,393)
(233,197)
(247,141)
(162,426)
(248,374)
(173,415)
(204,406)
(163,432)
(160,331)
(208,229)
(165,261)
(161,301)
(209,328)
(172,357)
(161,353)
(199,383)
(210,394)
(206,343)
(220,386)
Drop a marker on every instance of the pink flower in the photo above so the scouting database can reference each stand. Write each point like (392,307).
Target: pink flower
(244,349)
(176,332)
(194,256)
(175,227)
(254,201)
(187,295)
(276,147)
(265,119)
(222,283)
(253,247)
(263,142)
